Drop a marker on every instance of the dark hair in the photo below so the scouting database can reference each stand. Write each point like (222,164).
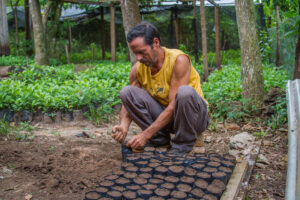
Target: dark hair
(146,30)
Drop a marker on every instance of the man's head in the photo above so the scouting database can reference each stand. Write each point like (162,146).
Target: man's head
(144,41)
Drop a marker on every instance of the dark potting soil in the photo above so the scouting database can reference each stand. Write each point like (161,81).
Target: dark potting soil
(129,195)
(92,195)
(145,175)
(213,164)
(226,170)
(130,175)
(162,192)
(184,187)
(172,179)
(187,179)
(155,181)
(140,181)
(169,186)
(178,194)
(115,194)
(133,187)
(210,169)
(106,183)
(197,193)
(210,197)
(201,184)
(149,186)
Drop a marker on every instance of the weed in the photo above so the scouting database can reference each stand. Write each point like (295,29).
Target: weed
(52,148)
(259,135)
(53,132)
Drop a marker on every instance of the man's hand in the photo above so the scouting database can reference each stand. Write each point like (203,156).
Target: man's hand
(119,133)
(138,141)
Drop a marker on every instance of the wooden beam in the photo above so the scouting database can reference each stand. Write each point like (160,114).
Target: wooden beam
(235,181)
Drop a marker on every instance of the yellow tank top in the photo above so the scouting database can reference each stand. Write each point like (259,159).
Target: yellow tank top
(158,85)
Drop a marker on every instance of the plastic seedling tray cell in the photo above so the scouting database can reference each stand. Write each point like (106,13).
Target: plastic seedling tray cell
(179,194)
(205,176)
(92,195)
(197,193)
(145,194)
(128,195)
(202,184)
(176,170)
(116,195)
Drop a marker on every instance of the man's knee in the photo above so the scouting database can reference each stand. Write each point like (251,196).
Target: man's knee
(125,92)
(184,93)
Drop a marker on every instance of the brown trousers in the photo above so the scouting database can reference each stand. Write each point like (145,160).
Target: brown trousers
(190,115)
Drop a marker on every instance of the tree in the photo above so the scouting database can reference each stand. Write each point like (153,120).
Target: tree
(112,33)
(39,36)
(27,28)
(218,44)
(14,7)
(131,16)
(296,74)
(204,39)
(251,73)
(4,36)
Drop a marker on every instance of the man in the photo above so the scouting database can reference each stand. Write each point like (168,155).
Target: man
(164,95)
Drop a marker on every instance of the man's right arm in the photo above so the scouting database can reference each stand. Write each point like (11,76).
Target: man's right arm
(120,131)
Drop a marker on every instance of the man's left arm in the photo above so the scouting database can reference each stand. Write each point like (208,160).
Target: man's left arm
(180,77)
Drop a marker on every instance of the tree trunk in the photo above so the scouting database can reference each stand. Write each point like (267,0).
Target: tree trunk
(15,11)
(204,38)
(112,33)
(4,36)
(131,16)
(251,73)
(278,60)
(56,8)
(38,30)
(27,28)
(218,44)
(102,33)
(70,37)
(176,27)
(195,33)
(296,74)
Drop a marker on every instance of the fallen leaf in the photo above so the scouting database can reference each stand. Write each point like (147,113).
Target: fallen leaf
(233,127)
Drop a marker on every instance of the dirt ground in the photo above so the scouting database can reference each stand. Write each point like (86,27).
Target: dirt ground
(57,164)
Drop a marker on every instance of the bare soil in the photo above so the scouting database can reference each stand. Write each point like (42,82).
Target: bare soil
(57,164)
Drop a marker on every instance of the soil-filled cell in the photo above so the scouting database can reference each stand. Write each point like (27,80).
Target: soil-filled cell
(209,197)
(172,179)
(122,181)
(114,195)
(155,181)
(210,169)
(133,187)
(221,176)
(215,159)
(213,164)
(132,169)
(161,192)
(197,193)
(160,150)
(118,188)
(190,172)
(225,169)
(130,175)
(202,184)
(142,163)
(153,160)
(106,184)
(149,149)
(119,172)
(140,181)
(129,195)
(125,165)
(227,164)
(154,164)
(156,198)
(145,194)
(161,170)
(111,177)
(145,175)
(169,186)
(149,186)
(146,170)
(216,188)
(187,180)
(229,158)
(92,195)
(184,187)
(176,170)
(198,166)
(178,194)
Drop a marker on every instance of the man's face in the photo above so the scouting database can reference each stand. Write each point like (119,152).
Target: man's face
(144,53)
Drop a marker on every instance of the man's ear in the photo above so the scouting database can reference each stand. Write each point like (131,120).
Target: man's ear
(156,42)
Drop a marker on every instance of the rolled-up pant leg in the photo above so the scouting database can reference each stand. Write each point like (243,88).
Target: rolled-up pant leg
(143,110)
(190,118)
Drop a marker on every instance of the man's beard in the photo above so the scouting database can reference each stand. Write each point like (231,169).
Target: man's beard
(150,63)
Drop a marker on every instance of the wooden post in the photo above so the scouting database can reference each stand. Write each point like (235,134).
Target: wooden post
(196,53)
(112,33)
(176,27)
(204,42)
(217,24)
(278,59)
(70,37)
(67,54)
(102,33)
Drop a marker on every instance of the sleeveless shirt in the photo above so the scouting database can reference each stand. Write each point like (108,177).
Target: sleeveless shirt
(158,85)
